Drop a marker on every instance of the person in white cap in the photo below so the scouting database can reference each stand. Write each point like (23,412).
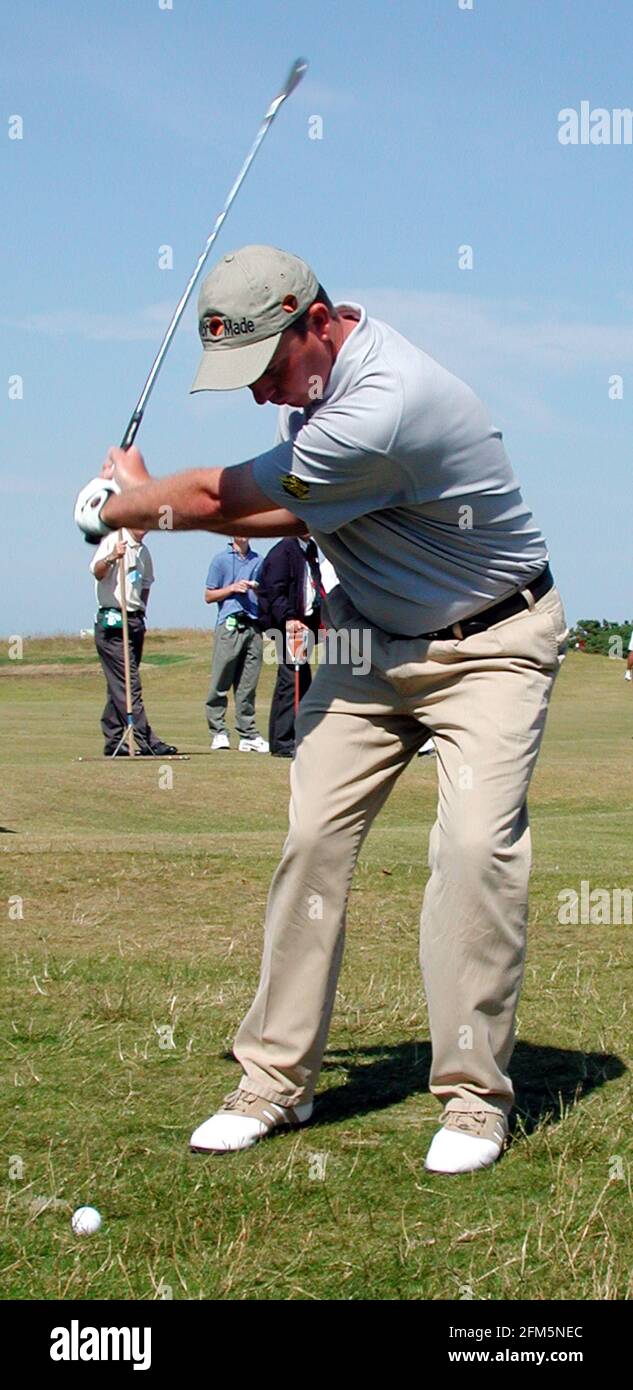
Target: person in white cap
(396,469)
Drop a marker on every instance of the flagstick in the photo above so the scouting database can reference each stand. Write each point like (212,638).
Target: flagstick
(129,732)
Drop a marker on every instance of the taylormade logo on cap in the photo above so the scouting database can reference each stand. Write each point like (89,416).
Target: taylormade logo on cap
(214,328)
(244,305)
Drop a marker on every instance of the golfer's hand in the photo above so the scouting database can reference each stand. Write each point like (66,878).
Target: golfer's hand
(126,467)
(121,547)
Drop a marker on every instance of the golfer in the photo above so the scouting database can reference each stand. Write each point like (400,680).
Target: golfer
(395,468)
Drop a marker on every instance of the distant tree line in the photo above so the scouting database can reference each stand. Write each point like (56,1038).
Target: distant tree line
(604,637)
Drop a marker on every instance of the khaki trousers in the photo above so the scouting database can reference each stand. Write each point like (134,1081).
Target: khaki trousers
(484,699)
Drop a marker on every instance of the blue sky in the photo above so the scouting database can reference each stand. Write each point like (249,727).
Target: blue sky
(440,129)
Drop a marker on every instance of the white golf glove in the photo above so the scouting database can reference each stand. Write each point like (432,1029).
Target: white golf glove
(88,507)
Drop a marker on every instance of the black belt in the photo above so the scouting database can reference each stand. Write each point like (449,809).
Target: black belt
(516,603)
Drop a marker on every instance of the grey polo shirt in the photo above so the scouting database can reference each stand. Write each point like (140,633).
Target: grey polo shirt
(404,482)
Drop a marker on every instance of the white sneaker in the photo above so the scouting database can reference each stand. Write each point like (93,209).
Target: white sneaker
(628,675)
(253,745)
(427,749)
(243,1120)
(220,741)
(468,1140)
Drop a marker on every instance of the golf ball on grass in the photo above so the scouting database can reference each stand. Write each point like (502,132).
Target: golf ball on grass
(86,1221)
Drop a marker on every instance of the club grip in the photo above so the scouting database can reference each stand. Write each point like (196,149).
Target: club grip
(132,430)
(126,443)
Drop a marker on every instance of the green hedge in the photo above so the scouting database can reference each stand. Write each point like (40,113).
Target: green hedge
(606,638)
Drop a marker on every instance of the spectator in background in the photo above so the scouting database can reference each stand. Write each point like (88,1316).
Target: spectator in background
(108,631)
(628,674)
(237,645)
(289,595)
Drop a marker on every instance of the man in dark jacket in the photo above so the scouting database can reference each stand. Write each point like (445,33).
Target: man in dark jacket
(289,601)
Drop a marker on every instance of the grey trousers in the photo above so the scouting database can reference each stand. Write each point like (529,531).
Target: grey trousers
(109,644)
(484,699)
(235,665)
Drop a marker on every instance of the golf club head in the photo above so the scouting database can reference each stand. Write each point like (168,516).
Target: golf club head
(299,67)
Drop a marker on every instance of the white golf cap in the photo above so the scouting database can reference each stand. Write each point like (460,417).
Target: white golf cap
(244,305)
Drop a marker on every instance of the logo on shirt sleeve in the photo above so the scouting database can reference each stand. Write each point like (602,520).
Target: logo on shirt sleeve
(295,487)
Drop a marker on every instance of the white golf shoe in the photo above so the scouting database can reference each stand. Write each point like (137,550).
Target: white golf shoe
(253,745)
(220,741)
(244,1119)
(468,1140)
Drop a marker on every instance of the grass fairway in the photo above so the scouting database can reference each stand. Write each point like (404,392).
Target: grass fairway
(142,911)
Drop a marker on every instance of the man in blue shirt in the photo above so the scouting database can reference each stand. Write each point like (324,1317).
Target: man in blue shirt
(237,645)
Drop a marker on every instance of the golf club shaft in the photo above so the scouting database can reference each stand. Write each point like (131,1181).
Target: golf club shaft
(294,77)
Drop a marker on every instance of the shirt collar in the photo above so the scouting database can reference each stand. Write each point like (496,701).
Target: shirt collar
(238,554)
(347,358)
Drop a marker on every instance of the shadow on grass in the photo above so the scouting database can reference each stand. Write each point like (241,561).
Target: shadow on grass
(546,1080)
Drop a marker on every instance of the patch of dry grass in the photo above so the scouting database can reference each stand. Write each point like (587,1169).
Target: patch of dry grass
(142,907)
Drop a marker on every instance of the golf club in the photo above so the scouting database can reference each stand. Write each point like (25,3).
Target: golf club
(293,79)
